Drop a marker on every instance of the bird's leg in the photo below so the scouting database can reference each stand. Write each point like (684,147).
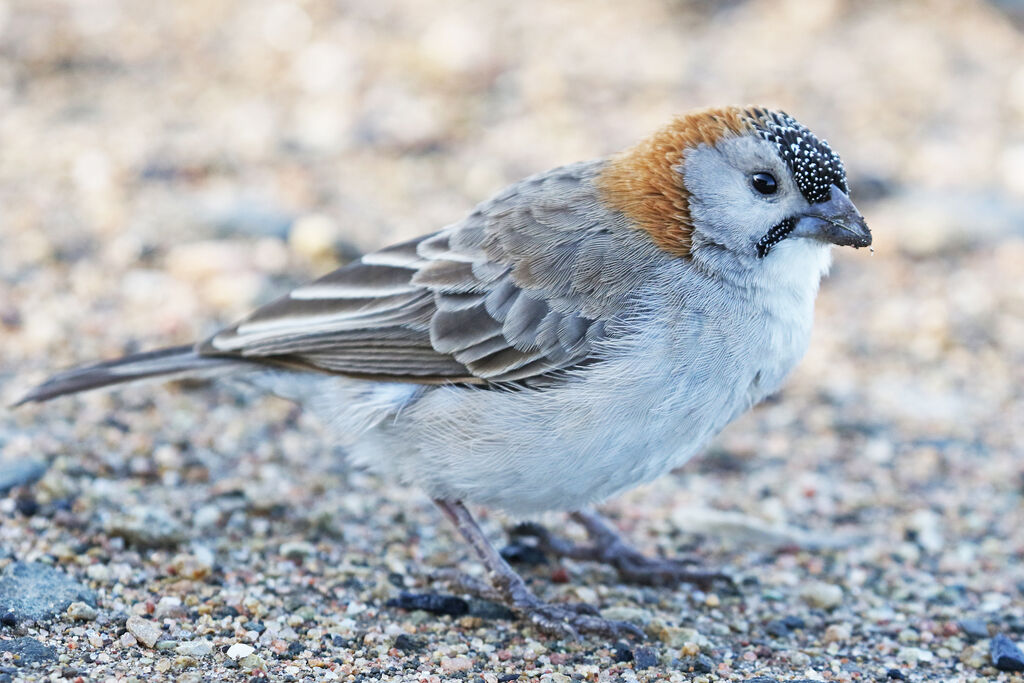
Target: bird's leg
(560,620)
(609,547)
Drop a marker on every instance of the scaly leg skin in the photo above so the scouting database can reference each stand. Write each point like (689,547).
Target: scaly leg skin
(608,547)
(561,621)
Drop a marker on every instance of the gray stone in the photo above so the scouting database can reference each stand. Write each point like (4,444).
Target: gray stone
(821,594)
(196,648)
(1006,656)
(28,651)
(144,630)
(79,611)
(975,629)
(645,658)
(33,591)
(147,527)
(14,473)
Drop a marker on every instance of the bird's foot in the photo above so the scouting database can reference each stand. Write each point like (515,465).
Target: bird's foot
(559,620)
(609,548)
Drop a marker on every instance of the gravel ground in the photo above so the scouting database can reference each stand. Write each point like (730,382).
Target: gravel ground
(164,167)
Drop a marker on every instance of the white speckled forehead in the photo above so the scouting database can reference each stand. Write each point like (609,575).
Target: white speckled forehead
(815,167)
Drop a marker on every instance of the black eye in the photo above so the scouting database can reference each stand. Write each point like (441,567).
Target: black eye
(764,183)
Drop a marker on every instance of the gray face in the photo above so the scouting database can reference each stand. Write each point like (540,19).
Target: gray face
(725,207)
(749,193)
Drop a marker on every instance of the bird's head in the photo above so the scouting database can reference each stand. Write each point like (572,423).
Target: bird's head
(740,185)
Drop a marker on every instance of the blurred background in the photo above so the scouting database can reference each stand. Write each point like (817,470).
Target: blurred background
(166,166)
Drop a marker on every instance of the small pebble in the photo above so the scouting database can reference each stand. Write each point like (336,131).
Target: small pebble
(645,658)
(169,607)
(20,473)
(700,664)
(622,653)
(145,631)
(297,550)
(251,662)
(794,622)
(146,527)
(81,611)
(195,648)
(434,603)
(914,655)
(240,650)
(674,636)
(837,633)
(1006,656)
(185,662)
(100,573)
(407,643)
(974,628)
(256,626)
(975,656)
(823,595)
(192,566)
(27,506)
(450,665)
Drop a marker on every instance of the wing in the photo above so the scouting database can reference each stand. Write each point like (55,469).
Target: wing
(523,287)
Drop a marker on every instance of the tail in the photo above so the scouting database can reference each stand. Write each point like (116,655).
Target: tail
(182,361)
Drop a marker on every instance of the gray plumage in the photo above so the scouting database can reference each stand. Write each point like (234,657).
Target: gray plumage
(481,301)
(609,360)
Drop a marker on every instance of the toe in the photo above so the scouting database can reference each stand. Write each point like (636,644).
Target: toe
(554,626)
(608,628)
(583,608)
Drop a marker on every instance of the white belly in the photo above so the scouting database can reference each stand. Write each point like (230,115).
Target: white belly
(617,424)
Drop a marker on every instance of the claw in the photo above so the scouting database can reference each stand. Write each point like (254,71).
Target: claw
(608,547)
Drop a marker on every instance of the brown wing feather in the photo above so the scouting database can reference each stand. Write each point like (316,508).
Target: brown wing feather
(521,288)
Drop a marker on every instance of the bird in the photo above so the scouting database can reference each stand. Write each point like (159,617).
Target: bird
(581,332)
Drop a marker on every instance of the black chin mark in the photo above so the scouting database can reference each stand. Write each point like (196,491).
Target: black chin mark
(774,236)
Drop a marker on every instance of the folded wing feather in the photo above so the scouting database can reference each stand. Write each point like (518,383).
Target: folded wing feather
(517,290)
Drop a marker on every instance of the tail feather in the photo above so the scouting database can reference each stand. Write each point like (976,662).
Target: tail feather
(165,363)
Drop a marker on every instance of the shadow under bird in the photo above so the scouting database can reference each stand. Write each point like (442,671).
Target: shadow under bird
(582,332)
